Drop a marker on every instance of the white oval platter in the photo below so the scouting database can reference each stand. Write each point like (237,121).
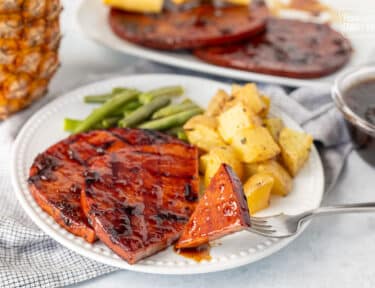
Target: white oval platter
(356,25)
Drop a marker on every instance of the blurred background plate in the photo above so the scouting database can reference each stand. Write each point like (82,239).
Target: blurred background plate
(356,19)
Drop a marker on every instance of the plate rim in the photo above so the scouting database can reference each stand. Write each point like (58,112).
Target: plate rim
(200,66)
(154,269)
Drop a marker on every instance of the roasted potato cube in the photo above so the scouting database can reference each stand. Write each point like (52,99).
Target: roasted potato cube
(258,191)
(255,145)
(201,132)
(205,120)
(295,149)
(218,156)
(217,103)
(274,126)
(204,138)
(143,6)
(282,181)
(235,88)
(267,102)
(202,186)
(249,96)
(234,119)
(250,169)
(203,163)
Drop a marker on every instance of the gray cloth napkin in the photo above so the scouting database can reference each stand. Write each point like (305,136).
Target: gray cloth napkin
(29,258)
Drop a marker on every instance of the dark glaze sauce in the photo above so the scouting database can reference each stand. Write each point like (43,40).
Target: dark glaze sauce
(136,197)
(58,175)
(190,26)
(360,98)
(284,51)
(197,254)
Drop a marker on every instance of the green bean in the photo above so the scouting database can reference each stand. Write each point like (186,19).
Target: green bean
(145,98)
(127,113)
(105,97)
(171,121)
(132,105)
(71,124)
(119,90)
(182,136)
(178,132)
(127,107)
(174,130)
(170,91)
(144,112)
(97,126)
(173,109)
(187,100)
(98,98)
(106,109)
(110,122)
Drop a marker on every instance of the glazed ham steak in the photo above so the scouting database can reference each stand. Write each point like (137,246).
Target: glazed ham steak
(57,175)
(191,28)
(289,48)
(139,199)
(222,210)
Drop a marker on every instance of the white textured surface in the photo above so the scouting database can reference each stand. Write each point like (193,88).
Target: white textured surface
(333,252)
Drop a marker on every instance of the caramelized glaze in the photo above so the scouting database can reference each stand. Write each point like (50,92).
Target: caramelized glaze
(196,27)
(197,254)
(136,198)
(57,175)
(221,211)
(289,48)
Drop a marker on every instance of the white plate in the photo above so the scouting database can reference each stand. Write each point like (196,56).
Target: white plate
(45,128)
(358,27)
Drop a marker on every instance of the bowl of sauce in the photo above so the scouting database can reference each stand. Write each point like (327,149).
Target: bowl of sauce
(354,95)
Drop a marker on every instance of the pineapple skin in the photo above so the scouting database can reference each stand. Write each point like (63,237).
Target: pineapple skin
(29,42)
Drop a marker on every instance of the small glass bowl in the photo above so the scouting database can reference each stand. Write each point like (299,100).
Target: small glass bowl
(362,131)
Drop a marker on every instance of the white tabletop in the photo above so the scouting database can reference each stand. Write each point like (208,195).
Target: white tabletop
(333,252)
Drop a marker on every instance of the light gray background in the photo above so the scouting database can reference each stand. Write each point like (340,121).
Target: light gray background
(333,252)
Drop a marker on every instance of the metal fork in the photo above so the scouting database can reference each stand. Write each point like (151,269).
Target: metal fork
(282,225)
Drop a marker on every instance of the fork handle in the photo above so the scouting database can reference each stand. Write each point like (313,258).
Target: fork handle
(340,209)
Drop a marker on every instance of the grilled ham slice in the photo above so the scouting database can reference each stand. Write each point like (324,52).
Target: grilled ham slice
(57,175)
(288,48)
(200,26)
(221,211)
(139,198)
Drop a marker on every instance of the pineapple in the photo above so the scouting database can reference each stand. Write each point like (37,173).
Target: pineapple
(29,41)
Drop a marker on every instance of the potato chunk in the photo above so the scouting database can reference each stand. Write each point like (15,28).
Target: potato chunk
(234,119)
(295,149)
(218,156)
(217,103)
(250,169)
(205,120)
(203,163)
(144,6)
(235,88)
(258,191)
(201,132)
(267,102)
(282,181)
(274,126)
(249,96)
(255,145)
